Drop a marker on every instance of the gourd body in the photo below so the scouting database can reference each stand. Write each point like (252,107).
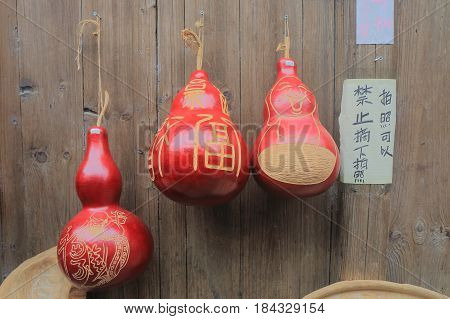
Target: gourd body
(104,244)
(198,156)
(294,154)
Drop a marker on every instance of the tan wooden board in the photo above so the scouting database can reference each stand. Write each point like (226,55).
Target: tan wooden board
(39,278)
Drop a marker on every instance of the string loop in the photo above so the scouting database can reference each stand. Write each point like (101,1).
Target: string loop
(195,40)
(103,96)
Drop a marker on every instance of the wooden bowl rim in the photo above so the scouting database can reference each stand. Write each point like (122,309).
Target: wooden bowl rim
(354,285)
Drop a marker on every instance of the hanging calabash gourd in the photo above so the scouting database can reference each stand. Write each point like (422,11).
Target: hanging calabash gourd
(104,244)
(294,154)
(198,156)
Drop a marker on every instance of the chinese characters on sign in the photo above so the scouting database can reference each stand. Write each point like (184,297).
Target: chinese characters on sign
(367,128)
(375,22)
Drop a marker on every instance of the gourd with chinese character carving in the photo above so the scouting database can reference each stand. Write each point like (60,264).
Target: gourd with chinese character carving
(198,156)
(104,244)
(294,154)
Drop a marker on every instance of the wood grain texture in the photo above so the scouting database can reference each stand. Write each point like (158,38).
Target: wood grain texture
(13,247)
(419,239)
(172,216)
(271,236)
(213,234)
(317,72)
(385,232)
(258,245)
(51,106)
(350,220)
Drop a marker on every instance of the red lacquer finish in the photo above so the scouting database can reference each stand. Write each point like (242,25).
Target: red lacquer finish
(294,154)
(198,156)
(104,244)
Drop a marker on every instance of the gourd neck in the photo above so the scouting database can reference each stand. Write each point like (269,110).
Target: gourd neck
(97,143)
(98,180)
(199,74)
(286,66)
(199,96)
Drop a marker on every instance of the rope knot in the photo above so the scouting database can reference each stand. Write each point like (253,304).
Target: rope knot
(194,40)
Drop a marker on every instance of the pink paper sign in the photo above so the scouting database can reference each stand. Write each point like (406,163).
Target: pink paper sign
(375,22)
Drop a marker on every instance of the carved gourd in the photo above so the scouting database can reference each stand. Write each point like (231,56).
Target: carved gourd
(198,156)
(294,154)
(104,244)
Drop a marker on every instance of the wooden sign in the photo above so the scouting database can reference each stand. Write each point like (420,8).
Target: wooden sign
(367,128)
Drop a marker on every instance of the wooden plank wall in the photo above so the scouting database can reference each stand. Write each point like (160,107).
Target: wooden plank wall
(257,246)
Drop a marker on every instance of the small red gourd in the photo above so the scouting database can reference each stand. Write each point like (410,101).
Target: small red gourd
(198,156)
(104,244)
(294,154)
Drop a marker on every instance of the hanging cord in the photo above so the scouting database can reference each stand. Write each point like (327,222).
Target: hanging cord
(286,44)
(195,40)
(103,96)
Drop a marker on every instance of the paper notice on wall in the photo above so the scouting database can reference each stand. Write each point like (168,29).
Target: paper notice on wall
(367,129)
(375,22)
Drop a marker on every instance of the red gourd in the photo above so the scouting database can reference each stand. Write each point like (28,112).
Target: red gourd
(198,156)
(294,154)
(104,244)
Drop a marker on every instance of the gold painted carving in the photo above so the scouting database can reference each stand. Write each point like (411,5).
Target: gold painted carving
(161,138)
(223,101)
(298,164)
(220,148)
(220,152)
(238,141)
(91,260)
(205,118)
(192,93)
(294,98)
(224,104)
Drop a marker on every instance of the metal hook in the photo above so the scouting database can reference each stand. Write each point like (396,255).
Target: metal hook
(378,58)
(286,28)
(95,14)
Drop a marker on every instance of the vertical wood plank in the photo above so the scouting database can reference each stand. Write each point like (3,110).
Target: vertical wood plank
(12,242)
(128,34)
(380,195)
(270,233)
(51,107)
(318,74)
(145,119)
(350,222)
(419,242)
(213,234)
(172,221)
